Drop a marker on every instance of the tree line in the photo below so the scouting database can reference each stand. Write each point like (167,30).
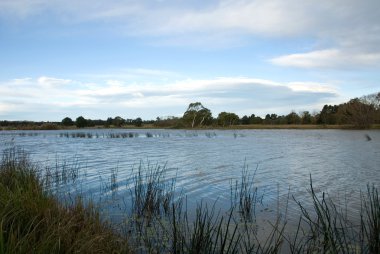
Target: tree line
(118,121)
(359,112)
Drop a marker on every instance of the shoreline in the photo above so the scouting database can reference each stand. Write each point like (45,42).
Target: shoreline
(235,127)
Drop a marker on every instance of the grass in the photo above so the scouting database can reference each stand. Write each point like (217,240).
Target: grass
(32,220)
(152,194)
(244,195)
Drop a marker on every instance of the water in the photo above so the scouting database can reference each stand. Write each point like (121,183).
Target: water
(206,162)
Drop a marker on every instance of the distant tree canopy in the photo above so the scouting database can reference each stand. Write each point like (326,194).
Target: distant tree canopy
(358,112)
(328,115)
(81,122)
(138,122)
(293,118)
(306,117)
(67,121)
(251,119)
(227,119)
(169,121)
(197,115)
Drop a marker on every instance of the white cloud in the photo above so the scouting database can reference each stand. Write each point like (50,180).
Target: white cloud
(312,87)
(114,97)
(329,58)
(52,82)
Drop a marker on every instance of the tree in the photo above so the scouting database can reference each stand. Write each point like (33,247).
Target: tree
(197,115)
(118,121)
(374,100)
(245,120)
(168,121)
(306,117)
(109,121)
(358,113)
(328,115)
(90,123)
(270,118)
(67,121)
(81,122)
(293,118)
(227,119)
(138,122)
(255,119)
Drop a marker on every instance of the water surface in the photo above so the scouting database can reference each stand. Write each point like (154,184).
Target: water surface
(205,162)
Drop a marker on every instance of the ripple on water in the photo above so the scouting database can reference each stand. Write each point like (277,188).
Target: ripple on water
(205,163)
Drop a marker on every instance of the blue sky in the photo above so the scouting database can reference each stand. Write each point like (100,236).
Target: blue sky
(152,58)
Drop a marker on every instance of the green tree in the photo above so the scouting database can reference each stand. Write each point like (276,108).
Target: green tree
(197,115)
(67,121)
(270,118)
(227,119)
(255,119)
(90,123)
(138,122)
(245,120)
(109,121)
(118,121)
(293,118)
(328,115)
(81,122)
(306,117)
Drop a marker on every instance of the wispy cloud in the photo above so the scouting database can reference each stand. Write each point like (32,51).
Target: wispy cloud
(52,82)
(330,58)
(346,32)
(267,17)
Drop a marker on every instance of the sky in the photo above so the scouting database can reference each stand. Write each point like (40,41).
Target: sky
(148,59)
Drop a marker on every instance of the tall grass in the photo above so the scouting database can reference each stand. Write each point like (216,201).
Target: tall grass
(33,221)
(370,220)
(326,228)
(152,193)
(244,194)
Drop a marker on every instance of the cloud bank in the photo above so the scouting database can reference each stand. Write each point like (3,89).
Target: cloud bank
(50,98)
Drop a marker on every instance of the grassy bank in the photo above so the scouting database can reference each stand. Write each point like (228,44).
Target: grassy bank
(32,220)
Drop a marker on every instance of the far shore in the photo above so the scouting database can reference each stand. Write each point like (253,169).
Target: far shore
(234,127)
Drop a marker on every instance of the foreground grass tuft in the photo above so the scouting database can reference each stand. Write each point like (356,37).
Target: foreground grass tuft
(33,221)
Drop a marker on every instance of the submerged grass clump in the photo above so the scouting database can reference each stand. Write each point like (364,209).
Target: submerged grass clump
(33,221)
